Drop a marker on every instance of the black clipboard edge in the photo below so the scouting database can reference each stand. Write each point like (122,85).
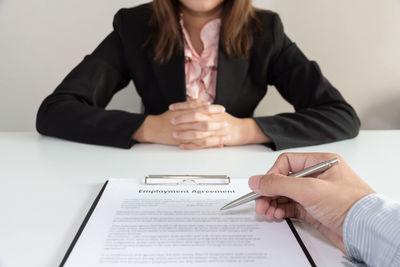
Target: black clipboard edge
(78,234)
(300,241)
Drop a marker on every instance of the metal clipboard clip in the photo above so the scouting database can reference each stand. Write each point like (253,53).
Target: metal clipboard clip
(187,180)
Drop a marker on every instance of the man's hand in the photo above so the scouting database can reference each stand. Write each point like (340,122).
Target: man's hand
(322,200)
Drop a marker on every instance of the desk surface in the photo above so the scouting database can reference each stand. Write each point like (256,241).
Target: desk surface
(47,185)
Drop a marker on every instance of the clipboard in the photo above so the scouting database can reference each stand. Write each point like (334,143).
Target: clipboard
(176,180)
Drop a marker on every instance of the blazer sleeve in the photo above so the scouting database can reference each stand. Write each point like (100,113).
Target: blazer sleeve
(76,109)
(321,113)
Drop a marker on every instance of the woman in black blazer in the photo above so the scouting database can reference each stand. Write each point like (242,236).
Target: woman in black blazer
(146,47)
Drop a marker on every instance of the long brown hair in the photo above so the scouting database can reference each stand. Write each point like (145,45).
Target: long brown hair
(236,31)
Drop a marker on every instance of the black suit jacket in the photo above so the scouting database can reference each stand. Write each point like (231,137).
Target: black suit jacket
(76,109)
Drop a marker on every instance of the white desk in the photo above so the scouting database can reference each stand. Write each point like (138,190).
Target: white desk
(47,185)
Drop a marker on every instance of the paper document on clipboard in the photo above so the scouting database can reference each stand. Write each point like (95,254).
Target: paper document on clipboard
(133,223)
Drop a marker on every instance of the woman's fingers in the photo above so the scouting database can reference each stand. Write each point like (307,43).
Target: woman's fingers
(202,126)
(196,127)
(198,114)
(191,146)
(190,118)
(207,142)
(187,136)
(191,104)
(211,109)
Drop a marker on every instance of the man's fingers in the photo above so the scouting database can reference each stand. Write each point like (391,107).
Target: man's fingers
(290,210)
(282,200)
(278,208)
(281,185)
(279,213)
(270,212)
(295,162)
(262,204)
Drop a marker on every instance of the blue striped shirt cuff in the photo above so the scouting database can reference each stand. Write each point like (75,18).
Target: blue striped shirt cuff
(371,231)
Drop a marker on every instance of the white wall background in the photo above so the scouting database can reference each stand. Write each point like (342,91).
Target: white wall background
(357,44)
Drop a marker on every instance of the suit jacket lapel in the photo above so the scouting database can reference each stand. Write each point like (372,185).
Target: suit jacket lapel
(171,77)
(230,78)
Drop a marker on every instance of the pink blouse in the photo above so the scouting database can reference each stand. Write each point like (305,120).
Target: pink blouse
(201,71)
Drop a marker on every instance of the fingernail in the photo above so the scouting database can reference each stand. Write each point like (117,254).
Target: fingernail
(171,107)
(175,135)
(181,146)
(222,109)
(173,121)
(226,124)
(254,182)
(226,138)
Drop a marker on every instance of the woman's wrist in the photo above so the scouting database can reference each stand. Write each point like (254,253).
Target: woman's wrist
(252,133)
(144,133)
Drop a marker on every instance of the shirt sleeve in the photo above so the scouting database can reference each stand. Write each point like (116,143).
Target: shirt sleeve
(371,231)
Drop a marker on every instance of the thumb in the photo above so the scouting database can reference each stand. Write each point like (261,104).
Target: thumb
(274,184)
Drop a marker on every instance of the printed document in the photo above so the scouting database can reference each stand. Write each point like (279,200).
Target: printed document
(135,224)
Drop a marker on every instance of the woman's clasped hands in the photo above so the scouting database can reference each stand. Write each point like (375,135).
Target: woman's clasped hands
(195,124)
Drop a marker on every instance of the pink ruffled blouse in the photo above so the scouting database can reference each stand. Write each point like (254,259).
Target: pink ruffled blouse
(201,70)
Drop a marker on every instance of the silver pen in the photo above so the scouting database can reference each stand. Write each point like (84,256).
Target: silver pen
(313,169)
